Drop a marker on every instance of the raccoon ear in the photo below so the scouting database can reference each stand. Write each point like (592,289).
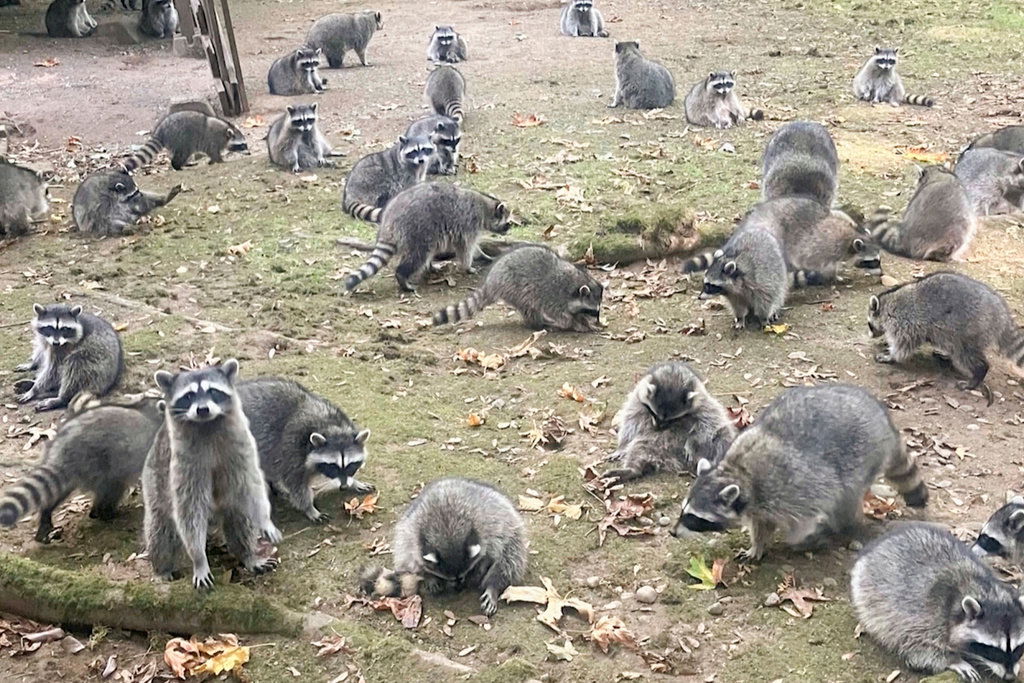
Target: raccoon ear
(585,290)
(858,244)
(895,50)
(703,465)
(317,439)
(230,369)
(730,268)
(362,436)
(376,15)
(648,390)
(161,406)
(873,304)
(431,558)
(711,75)
(718,254)
(1016,521)
(290,109)
(38,309)
(501,210)
(1017,500)
(76,311)
(1020,165)
(877,49)
(319,51)
(729,494)
(971,607)
(314,106)
(402,139)
(164,380)
(473,550)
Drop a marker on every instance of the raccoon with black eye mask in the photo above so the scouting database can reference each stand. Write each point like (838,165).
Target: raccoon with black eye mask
(1003,533)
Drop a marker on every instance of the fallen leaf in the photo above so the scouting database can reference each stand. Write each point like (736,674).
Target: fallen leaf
(254,121)
(526,121)
(213,655)
(924,155)
(530,504)
(357,508)
(740,416)
(48,62)
(624,516)
(475,420)
(563,653)
(879,508)
(229,660)
(572,393)
(705,575)
(332,644)
(240,249)
(554,603)
(800,599)
(780,328)
(558,506)
(608,630)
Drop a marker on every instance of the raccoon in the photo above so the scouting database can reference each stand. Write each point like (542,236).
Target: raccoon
(581,19)
(640,83)
(938,224)
(295,141)
(1003,533)
(1008,139)
(204,461)
(457,534)
(801,161)
(802,468)
(126,5)
(336,34)
(713,103)
(297,73)
(922,596)
(300,435)
(993,180)
(548,292)
(668,422)
(446,46)
(184,133)
(445,92)
(72,351)
(69,19)
(378,177)
(159,18)
(961,318)
(428,219)
(877,81)
(100,448)
(23,199)
(110,203)
(446,135)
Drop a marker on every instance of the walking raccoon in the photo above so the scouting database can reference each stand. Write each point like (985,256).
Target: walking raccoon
(297,73)
(185,133)
(110,203)
(801,160)
(378,177)
(1003,534)
(336,34)
(640,83)
(445,92)
(713,103)
(23,199)
(877,81)
(993,180)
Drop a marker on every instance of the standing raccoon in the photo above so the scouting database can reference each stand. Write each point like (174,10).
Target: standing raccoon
(446,135)
(457,534)
(801,160)
(300,435)
(713,103)
(203,462)
(336,34)
(961,318)
(296,73)
(877,81)
(938,224)
(1008,139)
(993,179)
(429,219)
(185,133)
(159,18)
(69,19)
(802,468)
(295,141)
(922,595)
(446,46)
(100,448)
(669,422)
(548,292)
(1003,533)
(72,352)
(23,199)
(445,92)
(379,176)
(581,19)
(110,203)
(640,83)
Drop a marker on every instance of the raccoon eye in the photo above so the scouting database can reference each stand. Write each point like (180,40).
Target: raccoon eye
(218,395)
(47,330)
(189,397)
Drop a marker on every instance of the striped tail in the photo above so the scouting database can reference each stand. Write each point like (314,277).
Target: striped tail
(82,402)
(756,115)
(453,110)
(363,212)
(919,100)
(905,476)
(144,156)
(886,233)
(1012,346)
(381,582)
(700,261)
(464,310)
(379,258)
(808,278)
(38,489)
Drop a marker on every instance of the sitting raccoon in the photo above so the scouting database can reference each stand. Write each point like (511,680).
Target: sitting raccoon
(445,92)
(993,180)
(800,160)
(713,103)
(446,46)
(378,177)
(938,224)
(921,595)
(1003,533)
(877,81)
(640,83)
(669,422)
(110,203)
(802,468)
(297,73)
(581,19)
(69,19)
(336,34)
(1008,139)
(186,133)
(548,292)
(446,136)
(295,141)
(23,199)
(159,18)
(962,319)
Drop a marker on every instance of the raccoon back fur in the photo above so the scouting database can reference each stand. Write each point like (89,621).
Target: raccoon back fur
(446,46)
(640,83)
(713,103)
(184,133)
(445,92)
(877,81)
(581,19)
(446,135)
(993,179)
(801,160)
(110,203)
(23,199)
(159,18)
(295,141)
(336,34)
(296,73)
(378,177)
(69,19)
(1008,139)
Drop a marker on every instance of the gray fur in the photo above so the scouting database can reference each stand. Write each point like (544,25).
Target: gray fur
(110,203)
(921,595)
(580,18)
(640,83)
(204,462)
(713,103)
(295,141)
(72,352)
(378,177)
(69,19)
(446,46)
(445,92)
(1008,139)
(1003,533)
(297,73)
(446,134)
(185,133)
(429,219)
(336,34)
(877,81)
(548,292)
(803,469)
(993,179)
(23,199)
(801,160)
(159,18)
(668,423)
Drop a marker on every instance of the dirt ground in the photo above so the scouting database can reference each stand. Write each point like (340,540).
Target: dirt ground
(244,263)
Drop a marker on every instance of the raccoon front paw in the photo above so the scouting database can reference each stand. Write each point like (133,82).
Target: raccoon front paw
(318,517)
(272,534)
(202,580)
(488,602)
(25,367)
(264,566)
(884,358)
(361,486)
(26,397)
(296,169)
(49,404)
(749,555)
(431,585)
(965,671)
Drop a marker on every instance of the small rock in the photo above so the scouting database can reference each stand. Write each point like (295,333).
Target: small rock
(593,581)
(855,546)
(613,605)
(728,148)
(883,491)
(787,569)
(829,582)
(646,595)
(646,521)
(716,610)
(664,521)
(772,600)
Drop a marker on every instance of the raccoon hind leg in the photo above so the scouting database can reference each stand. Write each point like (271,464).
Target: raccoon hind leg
(410,270)
(45,527)
(972,363)
(903,473)
(105,502)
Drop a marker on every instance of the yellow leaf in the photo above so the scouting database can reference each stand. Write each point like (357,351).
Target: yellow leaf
(357,508)
(225,661)
(530,504)
(474,420)
(780,328)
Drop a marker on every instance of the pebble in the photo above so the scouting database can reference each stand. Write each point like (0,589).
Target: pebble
(772,600)
(646,595)
(613,605)
(829,582)
(664,521)
(855,546)
(716,609)
(787,569)
(593,581)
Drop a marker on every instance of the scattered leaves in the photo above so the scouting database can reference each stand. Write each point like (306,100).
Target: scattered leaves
(880,508)
(240,249)
(408,610)
(213,655)
(627,515)
(925,155)
(488,361)
(740,416)
(367,506)
(610,629)
(332,644)
(708,578)
(563,653)
(48,62)
(475,420)
(554,603)
(778,329)
(800,600)
(254,121)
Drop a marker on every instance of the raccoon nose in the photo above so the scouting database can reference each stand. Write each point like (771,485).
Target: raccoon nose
(203,411)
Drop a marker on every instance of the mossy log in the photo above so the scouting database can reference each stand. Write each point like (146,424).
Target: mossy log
(82,598)
(644,233)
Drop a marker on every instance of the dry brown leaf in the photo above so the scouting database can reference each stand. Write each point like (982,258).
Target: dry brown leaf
(526,120)
(357,508)
(564,652)
(554,603)
(880,508)
(624,515)
(254,121)
(240,249)
(475,420)
(570,392)
(740,416)
(800,599)
(608,630)
(48,62)
(332,644)
(558,506)
(213,655)
(530,504)
(488,361)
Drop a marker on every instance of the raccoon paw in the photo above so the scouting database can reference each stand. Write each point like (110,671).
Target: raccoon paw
(965,671)
(272,533)
(24,367)
(488,602)
(26,397)
(748,556)
(203,580)
(431,585)
(264,565)
(49,404)
(318,517)
(361,487)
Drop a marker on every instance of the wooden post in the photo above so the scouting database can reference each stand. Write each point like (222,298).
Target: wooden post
(202,20)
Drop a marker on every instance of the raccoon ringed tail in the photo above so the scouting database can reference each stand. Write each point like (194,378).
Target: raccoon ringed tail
(381,582)
(465,309)
(887,235)
(919,100)
(699,262)
(905,476)
(363,212)
(756,115)
(382,253)
(82,402)
(37,489)
(453,110)
(807,278)
(1012,346)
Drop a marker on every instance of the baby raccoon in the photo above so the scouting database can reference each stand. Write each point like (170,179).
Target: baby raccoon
(336,34)
(185,133)
(446,46)
(714,104)
(300,435)
(457,534)
(581,19)
(640,83)
(110,203)
(445,92)
(922,595)
(964,320)
(802,468)
(801,160)
(100,448)
(296,73)
(69,19)
(295,141)
(429,219)
(379,176)
(668,422)
(446,135)
(877,81)
(938,224)
(159,18)
(23,199)
(1003,534)
(548,292)
(1008,139)
(72,352)
(993,179)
